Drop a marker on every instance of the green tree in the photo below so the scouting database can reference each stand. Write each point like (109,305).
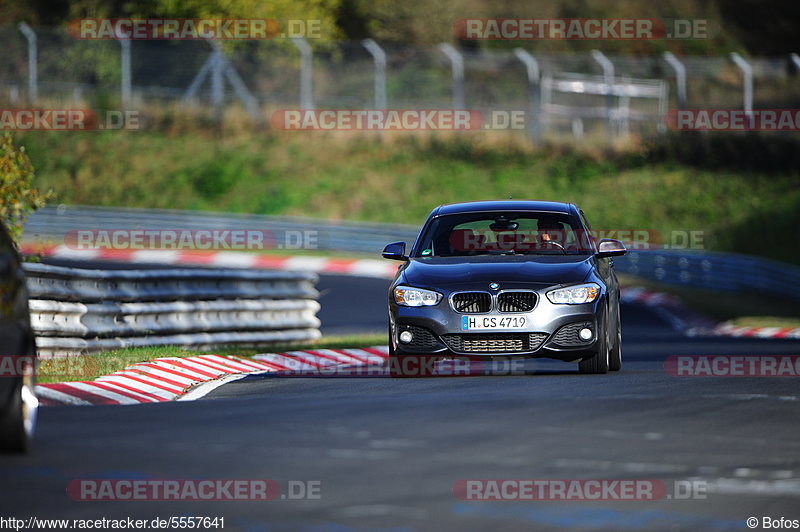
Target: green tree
(18,197)
(281,10)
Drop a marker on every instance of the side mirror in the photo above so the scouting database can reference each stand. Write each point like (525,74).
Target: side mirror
(610,248)
(395,251)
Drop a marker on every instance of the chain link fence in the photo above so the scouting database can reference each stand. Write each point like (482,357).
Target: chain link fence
(46,67)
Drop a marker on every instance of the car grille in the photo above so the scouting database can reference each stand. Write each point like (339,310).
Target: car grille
(423,338)
(494,343)
(472,302)
(535,340)
(567,336)
(516,301)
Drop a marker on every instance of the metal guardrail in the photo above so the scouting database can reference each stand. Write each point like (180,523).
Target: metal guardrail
(713,271)
(76,311)
(107,320)
(55,222)
(728,272)
(84,285)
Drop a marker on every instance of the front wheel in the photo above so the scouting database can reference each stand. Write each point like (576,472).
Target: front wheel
(599,363)
(615,358)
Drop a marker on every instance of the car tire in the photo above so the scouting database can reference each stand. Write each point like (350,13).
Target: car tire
(598,364)
(393,361)
(615,357)
(391,340)
(18,418)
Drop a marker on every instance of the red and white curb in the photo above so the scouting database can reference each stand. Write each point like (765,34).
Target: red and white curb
(637,294)
(223,259)
(170,379)
(729,329)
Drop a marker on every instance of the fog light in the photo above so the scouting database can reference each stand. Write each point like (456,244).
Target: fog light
(585,334)
(406,337)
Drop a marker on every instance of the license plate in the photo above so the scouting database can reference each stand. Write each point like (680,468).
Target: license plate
(475,323)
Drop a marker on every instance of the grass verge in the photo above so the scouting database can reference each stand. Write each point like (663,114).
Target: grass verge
(400,178)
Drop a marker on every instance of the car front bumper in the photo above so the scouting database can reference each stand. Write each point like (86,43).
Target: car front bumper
(550,331)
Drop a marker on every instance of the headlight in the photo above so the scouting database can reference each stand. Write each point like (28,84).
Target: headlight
(416,297)
(574,295)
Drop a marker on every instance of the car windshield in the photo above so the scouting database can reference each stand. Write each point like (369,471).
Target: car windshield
(503,233)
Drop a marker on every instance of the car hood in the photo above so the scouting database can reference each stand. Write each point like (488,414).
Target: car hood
(527,270)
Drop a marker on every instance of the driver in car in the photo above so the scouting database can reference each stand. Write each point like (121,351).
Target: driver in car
(552,235)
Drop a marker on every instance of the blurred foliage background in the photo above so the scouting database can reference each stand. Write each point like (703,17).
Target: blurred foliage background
(18,197)
(759,27)
(742,189)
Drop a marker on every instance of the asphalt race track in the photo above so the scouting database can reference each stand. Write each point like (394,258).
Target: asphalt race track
(388,453)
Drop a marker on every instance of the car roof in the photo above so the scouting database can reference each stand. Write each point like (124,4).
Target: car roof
(502,205)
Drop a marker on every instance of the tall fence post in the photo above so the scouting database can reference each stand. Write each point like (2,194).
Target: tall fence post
(608,76)
(219,68)
(532,69)
(680,77)
(33,62)
(217,88)
(306,58)
(379,56)
(125,75)
(457,67)
(747,73)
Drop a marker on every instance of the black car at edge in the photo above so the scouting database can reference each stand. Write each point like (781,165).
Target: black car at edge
(18,403)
